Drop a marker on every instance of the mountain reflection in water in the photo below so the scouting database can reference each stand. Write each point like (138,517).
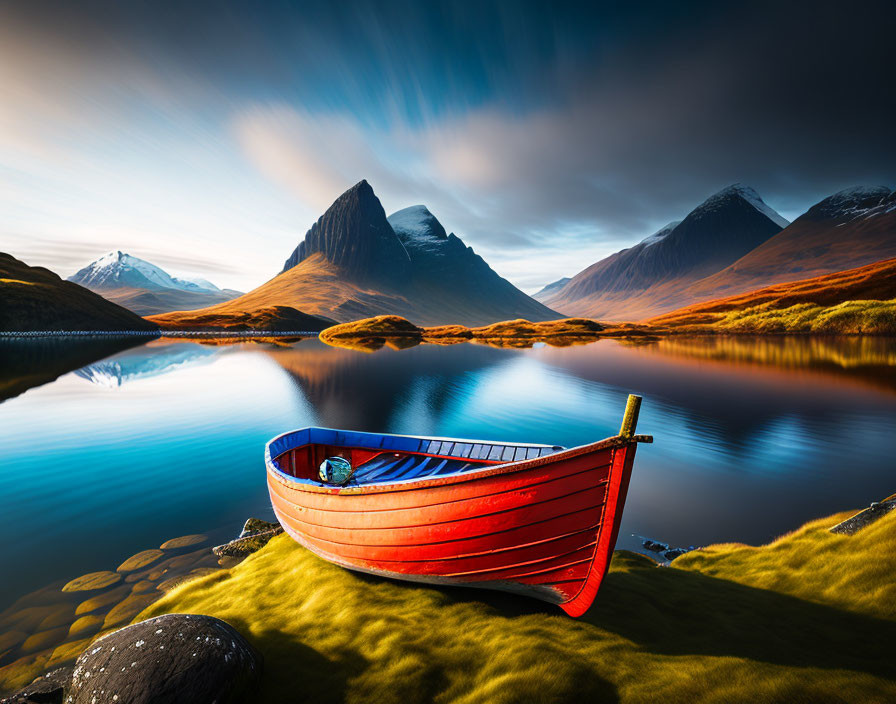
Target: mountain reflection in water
(753,435)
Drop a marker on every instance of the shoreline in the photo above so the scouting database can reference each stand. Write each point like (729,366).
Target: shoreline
(720,585)
(155,333)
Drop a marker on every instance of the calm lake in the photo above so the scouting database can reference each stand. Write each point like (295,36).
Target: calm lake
(753,436)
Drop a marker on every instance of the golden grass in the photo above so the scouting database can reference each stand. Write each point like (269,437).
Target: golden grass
(371,334)
(810,617)
(849,317)
(856,300)
(378,326)
(852,572)
(269,318)
(567,327)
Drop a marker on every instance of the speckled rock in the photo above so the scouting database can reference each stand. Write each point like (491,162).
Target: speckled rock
(254,536)
(46,689)
(877,510)
(254,526)
(243,547)
(168,659)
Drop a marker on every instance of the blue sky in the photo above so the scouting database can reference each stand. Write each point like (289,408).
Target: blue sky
(207,137)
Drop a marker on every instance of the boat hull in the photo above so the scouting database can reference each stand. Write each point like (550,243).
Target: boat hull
(544,527)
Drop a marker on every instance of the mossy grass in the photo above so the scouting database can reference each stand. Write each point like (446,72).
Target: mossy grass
(849,317)
(809,617)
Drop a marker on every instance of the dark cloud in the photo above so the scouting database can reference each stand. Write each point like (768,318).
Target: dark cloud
(526,125)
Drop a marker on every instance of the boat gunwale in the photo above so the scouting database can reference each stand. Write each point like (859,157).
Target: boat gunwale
(412,484)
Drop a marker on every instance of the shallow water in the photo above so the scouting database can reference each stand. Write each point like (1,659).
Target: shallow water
(753,436)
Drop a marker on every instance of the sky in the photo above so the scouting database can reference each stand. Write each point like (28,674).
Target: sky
(208,137)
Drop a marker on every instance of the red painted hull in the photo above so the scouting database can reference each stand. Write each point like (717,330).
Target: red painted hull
(545,527)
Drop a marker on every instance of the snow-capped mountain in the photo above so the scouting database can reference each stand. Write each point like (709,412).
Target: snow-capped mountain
(417,224)
(720,201)
(855,202)
(846,230)
(118,269)
(145,288)
(202,284)
(644,279)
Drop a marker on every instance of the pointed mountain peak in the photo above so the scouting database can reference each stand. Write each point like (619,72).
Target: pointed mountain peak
(736,193)
(354,234)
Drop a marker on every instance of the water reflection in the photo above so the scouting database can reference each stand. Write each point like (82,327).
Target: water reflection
(753,436)
(151,360)
(867,359)
(29,362)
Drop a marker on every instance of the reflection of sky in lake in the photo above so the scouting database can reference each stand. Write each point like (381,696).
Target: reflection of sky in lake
(92,473)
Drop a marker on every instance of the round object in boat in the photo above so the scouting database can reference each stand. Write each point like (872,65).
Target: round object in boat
(335,470)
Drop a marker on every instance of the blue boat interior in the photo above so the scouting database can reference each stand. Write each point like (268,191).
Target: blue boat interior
(386,459)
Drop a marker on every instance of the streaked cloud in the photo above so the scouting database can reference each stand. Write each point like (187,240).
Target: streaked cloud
(211,136)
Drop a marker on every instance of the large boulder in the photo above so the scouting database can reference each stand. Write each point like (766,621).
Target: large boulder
(171,658)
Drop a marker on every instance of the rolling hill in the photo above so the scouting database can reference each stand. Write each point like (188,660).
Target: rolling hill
(36,299)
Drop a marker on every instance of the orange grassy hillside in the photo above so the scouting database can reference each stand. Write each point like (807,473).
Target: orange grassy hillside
(269,319)
(856,300)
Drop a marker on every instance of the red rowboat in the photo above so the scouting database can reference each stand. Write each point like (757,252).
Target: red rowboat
(538,520)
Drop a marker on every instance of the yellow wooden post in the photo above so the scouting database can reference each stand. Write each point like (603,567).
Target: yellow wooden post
(630,419)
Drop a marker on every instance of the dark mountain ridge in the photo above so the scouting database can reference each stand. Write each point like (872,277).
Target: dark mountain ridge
(851,228)
(354,234)
(355,263)
(722,229)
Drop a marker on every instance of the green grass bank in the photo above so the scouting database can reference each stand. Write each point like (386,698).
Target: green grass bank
(811,617)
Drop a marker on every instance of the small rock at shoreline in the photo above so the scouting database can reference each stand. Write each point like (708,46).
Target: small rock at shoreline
(653,545)
(854,524)
(254,536)
(94,580)
(184,541)
(254,526)
(140,560)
